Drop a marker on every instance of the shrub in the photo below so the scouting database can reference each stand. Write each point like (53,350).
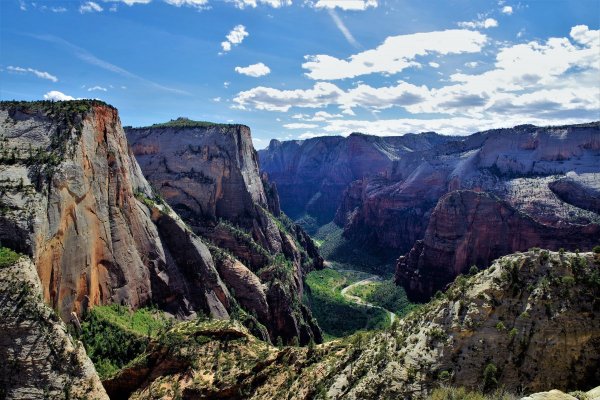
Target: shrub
(490,377)
(596,249)
(8,257)
(473,270)
(500,326)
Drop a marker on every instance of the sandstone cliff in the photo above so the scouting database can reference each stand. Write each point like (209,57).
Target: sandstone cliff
(529,323)
(73,199)
(40,360)
(209,174)
(471,228)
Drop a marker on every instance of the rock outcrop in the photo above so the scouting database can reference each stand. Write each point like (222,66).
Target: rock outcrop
(39,358)
(75,200)
(529,323)
(471,228)
(209,174)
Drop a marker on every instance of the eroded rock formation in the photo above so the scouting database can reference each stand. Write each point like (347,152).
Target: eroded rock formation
(209,174)
(74,200)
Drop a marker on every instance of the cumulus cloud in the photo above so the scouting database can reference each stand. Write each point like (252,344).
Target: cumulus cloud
(89,7)
(297,125)
(355,5)
(395,54)
(234,37)
(254,70)
(200,4)
(270,99)
(97,88)
(241,4)
(542,82)
(55,95)
(433,64)
(479,24)
(39,74)
(508,10)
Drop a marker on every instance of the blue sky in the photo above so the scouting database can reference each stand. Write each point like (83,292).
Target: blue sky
(296,69)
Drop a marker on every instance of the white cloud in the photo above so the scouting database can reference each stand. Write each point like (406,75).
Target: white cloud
(472,64)
(254,70)
(323,116)
(508,10)
(482,23)
(39,74)
(226,84)
(309,135)
(342,28)
(200,4)
(241,4)
(357,5)
(97,88)
(234,37)
(395,54)
(55,95)
(270,99)
(129,2)
(541,82)
(89,7)
(434,64)
(216,99)
(299,126)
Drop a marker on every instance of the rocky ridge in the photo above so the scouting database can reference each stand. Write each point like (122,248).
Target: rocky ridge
(529,323)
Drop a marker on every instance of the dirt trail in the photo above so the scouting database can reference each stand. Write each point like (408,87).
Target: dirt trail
(358,300)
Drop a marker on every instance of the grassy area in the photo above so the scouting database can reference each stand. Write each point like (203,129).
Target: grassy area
(384,294)
(460,393)
(349,255)
(337,316)
(8,257)
(113,335)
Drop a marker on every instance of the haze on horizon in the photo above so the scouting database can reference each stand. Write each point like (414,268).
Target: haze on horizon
(295,69)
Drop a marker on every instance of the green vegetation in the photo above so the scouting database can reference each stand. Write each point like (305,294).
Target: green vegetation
(461,393)
(384,294)
(596,249)
(337,316)
(8,257)
(183,122)
(349,255)
(114,335)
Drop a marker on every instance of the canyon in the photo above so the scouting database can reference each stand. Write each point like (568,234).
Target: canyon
(546,178)
(103,226)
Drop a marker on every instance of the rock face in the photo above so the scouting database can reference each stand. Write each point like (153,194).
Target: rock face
(471,228)
(529,323)
(39,358)
(311,175)
(75,200)
(209,174)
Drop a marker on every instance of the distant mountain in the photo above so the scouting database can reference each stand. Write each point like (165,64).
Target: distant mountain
(391,186)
